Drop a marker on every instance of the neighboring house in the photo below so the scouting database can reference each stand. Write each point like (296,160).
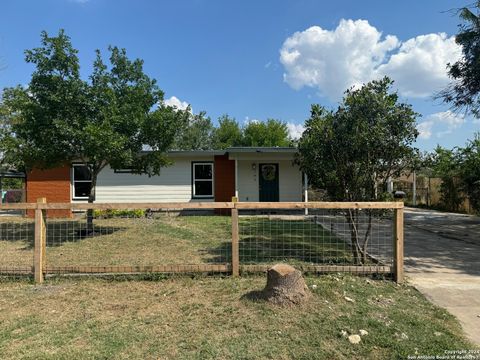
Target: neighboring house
(249,173)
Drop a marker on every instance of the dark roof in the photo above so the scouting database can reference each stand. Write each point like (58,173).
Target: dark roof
(196,152)
(235,149)
(254,149)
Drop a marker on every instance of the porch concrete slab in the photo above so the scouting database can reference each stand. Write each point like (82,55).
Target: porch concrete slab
(442,260)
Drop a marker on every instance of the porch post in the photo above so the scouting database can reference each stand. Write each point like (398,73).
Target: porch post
(236,179)
(305,190)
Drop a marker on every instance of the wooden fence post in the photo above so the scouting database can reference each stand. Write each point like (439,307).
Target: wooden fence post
(235,244)
(40,242)
(398,245)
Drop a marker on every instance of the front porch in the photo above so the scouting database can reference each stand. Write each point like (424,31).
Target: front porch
(269,175)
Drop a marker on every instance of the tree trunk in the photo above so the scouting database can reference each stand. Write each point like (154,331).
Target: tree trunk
(91,199)
(285,286)
(367,238)
(359,250)
(353,224)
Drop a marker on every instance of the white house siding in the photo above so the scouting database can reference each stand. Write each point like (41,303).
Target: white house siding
(174,184)
(290,180)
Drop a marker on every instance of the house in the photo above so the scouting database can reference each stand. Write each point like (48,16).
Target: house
(248,173)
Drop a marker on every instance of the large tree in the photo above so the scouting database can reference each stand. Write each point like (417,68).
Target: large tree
(227,134)
(108,119)
(351,152)
(464,91)
(266,133)
(195,134)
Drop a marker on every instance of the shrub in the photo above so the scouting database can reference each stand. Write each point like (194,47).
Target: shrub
(114,213)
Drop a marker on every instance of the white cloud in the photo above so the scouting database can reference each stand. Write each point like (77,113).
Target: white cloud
(425,129)
(449,118)
(295,131)
(176,102)
(356,52)
(248,120)
(441,123)
(419,66)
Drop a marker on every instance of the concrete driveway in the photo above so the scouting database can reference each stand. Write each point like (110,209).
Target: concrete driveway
(442,260)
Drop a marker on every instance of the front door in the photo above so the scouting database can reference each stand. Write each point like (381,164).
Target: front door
(268,184)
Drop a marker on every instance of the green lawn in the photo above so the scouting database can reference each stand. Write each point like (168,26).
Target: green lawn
(173,240)
(207,318)
(289,239)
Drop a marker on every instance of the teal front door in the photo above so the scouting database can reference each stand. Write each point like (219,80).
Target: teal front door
(268,184)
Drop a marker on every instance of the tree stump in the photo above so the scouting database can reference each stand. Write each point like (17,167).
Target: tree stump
(285,286)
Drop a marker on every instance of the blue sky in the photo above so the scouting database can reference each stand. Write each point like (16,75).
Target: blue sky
(259,59)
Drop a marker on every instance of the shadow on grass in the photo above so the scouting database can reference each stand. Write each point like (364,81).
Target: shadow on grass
(58,232)
(254,296)
(264,240)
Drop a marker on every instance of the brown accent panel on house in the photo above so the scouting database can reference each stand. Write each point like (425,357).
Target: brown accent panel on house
(52,184)
(224,179)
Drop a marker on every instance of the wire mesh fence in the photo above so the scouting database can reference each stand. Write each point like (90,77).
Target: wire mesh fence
(216,237)
(139,240)
(16,245)
(317,239)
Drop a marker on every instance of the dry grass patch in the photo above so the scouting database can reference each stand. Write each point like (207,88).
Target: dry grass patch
(16,242)
(206,318)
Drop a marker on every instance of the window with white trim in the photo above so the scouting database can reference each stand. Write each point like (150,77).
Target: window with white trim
(81,180)
(202,179)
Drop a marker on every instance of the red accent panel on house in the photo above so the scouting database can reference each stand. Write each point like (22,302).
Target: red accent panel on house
(52,184)
(224,178)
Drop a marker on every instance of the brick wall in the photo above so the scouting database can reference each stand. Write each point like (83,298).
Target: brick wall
(53,184)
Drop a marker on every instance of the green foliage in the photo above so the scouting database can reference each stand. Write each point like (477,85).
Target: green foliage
(12,183)
(196,134)
(351,152)
(270,133)
(470,171)
(227,134)
(112,213)
(445,164)
(451,195)
(108,119)
(459,170)
(200,134)
(463,92)
(370,137)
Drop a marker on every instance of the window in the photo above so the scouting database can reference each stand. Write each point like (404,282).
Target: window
(202,180)
(82,181)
